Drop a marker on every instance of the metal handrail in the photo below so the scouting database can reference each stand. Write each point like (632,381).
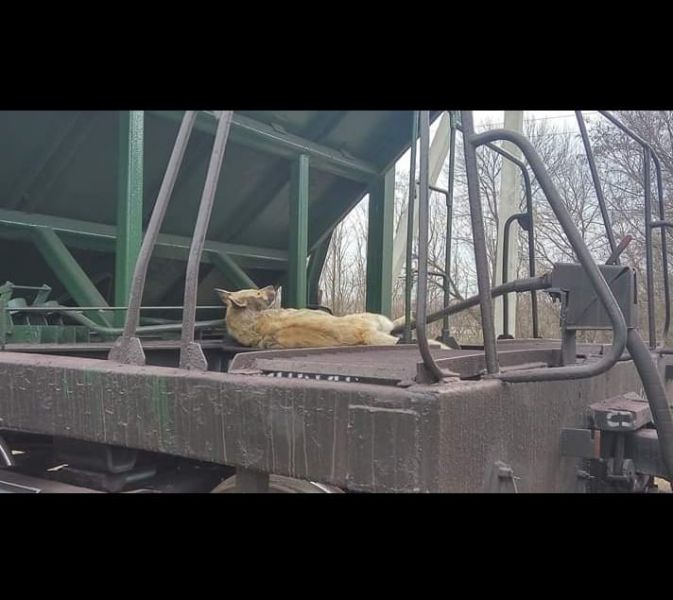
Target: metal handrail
(408,281)
(423,222)
(649,152)
(528,191)
(597,182)
(191,354)
(472,141)
(125,350)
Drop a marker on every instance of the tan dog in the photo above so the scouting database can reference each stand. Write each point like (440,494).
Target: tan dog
(252,322)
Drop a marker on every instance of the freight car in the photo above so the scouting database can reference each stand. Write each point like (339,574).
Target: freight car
(116,373)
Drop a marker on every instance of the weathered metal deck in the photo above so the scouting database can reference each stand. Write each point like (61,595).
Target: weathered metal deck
(361,436)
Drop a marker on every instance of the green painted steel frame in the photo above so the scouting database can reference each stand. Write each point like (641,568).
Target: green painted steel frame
(252,133)
(101,237)
(129,204)
(295,294)
(380,244)
(69,272)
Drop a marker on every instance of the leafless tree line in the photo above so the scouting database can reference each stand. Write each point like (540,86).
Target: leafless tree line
(620,164)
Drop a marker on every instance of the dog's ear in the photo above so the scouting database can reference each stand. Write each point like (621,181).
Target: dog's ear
(270,292)
(228,296)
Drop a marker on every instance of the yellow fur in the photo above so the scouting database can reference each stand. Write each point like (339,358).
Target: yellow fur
(252,323)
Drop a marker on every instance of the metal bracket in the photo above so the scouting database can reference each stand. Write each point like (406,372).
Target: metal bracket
(128,351)
(193,358)
(628,412)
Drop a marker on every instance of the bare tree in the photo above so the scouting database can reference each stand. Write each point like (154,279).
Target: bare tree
(620,169)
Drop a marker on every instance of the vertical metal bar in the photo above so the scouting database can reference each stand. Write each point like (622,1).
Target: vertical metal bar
(568,347)
(408,272)
(449,222)
(125,349)
(296,293)
(479,241)
(380,244)
(191,354)
(531,247)
(649,257)
(647,149)
(129,204)
(505,270)
(423,224)
(597,182)
(664,246)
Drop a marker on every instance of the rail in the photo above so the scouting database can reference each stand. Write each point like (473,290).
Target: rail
(471,142)
(127,349)
(528,192)
(649,152)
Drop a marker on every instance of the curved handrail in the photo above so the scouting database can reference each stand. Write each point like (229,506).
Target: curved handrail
(528,190)
(574,237)
(422,283)
(121,350)
(479,242)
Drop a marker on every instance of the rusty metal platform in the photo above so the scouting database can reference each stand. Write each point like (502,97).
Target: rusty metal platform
(364,437)
(392,365)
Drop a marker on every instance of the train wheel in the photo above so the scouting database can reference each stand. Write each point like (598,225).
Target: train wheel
(281,485)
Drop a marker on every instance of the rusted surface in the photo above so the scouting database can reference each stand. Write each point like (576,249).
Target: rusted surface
(626,412)
(385,364)
(519,424)
(343,434)
(389,365)
(364,437)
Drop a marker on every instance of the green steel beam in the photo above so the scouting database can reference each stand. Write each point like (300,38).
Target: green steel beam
(69,273)
(129,204)
(234,274)
(252,133)
(295,295)
(380,245)
(101,237)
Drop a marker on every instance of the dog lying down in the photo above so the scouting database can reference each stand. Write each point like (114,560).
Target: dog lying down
(252,322)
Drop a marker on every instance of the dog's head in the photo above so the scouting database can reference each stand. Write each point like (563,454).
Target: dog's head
(254,300)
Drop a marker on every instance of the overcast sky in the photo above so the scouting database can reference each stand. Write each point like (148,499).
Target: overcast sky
(558,119)
(565,118)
